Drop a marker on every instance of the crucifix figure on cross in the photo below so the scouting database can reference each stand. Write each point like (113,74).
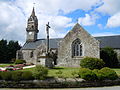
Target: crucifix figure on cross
(77,20)
(47,30)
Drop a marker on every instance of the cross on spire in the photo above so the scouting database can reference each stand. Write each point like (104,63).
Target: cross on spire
(77,20)
(33,4)
(33,11)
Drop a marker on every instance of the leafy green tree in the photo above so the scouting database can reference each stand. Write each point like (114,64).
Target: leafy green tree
(13,46)
(8,50)
(3,51)
(109,56)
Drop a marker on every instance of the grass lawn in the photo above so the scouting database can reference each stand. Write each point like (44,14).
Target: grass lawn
(4,65)
(117,70)
(65,72)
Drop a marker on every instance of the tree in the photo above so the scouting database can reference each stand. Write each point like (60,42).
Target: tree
(3,50)
(109,56)
(8,50)
(13,46)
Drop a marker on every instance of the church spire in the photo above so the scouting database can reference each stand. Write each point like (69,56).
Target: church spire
(33,12)
(32,27)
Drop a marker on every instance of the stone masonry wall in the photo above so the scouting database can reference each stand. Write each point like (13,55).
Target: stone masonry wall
(27,56)
(89,43)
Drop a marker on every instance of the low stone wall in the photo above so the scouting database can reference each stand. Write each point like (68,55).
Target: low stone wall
(57,83)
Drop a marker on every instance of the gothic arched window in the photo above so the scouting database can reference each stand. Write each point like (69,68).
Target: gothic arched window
(77,48)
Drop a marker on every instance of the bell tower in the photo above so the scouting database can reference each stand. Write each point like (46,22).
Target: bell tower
(32,27)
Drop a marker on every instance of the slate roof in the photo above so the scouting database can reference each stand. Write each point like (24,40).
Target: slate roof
(109,41)
(105,41)
(33,45)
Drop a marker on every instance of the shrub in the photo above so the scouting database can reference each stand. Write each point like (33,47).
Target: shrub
(19,61)
(59,74)
(106,73)
(87,74)
(92,63)
(109,56)
(75,74)
(16,75)
(6,75)
(27,75)
(0,75)
(40,72)
(95,71)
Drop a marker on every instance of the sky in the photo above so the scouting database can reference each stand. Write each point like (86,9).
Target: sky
(97,17)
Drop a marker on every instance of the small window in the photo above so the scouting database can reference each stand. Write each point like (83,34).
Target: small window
(76,48)
(32,26)
(31,54)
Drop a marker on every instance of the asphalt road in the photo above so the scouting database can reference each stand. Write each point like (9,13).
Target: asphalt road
(97,88)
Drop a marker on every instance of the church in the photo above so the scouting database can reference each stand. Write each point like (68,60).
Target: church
(67,51)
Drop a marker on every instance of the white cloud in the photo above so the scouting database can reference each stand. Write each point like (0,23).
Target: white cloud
(53,6)
(14,15)
(88,20)
(109,7)
(112,8)
(12,24)
(114,21)
(57,23)
(100,26)
(71,5)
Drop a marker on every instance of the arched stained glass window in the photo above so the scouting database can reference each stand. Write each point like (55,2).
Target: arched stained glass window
(76,48)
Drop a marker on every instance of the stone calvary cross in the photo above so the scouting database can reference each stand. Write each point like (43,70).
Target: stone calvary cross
(47,30)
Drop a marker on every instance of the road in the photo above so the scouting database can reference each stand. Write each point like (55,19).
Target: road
(98,88)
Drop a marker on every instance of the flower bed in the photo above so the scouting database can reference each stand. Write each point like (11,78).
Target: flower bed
(15,67)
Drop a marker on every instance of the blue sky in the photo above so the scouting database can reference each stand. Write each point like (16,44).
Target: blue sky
(98,17)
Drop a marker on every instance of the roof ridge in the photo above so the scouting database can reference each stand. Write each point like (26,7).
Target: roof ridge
(108,36)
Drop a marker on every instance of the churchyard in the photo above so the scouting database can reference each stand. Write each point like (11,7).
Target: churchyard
(61,72)
(91,72)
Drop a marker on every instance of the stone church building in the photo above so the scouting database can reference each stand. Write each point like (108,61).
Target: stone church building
(67,51)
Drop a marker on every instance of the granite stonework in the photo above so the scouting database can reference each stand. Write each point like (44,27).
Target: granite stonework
(90,47)
(60,49)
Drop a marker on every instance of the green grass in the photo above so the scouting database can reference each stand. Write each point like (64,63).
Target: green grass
(28,69)
(65,72)
(117,70)
(4,65)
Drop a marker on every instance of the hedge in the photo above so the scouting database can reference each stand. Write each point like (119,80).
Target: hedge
(40,72)
(96,74)
(92,63)
(87,74)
